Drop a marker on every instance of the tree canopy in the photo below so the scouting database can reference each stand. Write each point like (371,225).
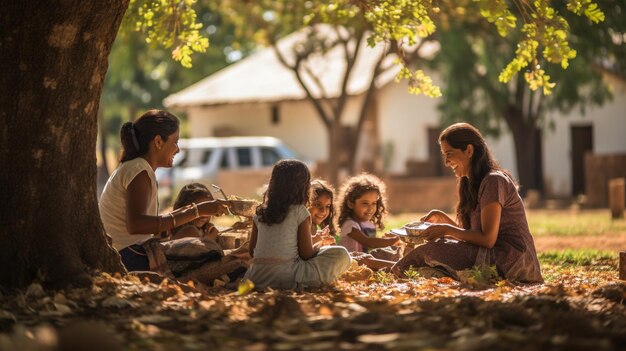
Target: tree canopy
(540,28)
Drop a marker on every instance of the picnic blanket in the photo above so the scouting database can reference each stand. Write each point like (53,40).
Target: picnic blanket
(193,258)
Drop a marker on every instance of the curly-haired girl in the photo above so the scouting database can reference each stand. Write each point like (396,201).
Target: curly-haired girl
(284,256)
(362,208)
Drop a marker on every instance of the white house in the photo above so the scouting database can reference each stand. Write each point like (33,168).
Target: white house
(259,96)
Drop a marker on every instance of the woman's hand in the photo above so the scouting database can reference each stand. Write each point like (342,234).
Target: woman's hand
(437,216)
(436,231)
(213,208)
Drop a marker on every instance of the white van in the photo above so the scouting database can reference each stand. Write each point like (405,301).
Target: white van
(200,159)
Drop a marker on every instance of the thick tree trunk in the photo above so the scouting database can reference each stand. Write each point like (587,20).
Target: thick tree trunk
(53,57)
(103,169)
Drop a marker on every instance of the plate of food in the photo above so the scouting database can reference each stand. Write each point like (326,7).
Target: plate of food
(411,232)
(399,231)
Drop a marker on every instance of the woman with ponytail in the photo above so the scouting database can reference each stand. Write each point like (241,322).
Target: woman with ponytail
(490,226)
(129,205)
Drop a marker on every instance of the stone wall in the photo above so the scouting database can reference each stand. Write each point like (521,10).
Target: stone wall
(405,194)
(243,183)
(409,194)
(598,170)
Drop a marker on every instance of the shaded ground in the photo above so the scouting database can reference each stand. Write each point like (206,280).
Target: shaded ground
(579,308)
(582,306)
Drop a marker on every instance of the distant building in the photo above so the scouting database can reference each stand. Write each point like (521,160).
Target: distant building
(259,96)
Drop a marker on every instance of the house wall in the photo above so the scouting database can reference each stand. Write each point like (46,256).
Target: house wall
(298,125)
(609,137)
(403,124)
(404,121)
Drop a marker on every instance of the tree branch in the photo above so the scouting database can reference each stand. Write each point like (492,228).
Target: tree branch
(364,107)
(350,60)
(323,94)
(316,103)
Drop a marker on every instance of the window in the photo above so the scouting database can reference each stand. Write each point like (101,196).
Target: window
(275,115)
(181,158)
(206,157)
(225,163)
(269,156)
(244,156)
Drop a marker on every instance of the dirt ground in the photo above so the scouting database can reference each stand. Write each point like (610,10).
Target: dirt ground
(605,242)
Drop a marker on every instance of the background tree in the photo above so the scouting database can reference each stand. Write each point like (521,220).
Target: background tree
(140,76)
(474,55)
(538,27)
(346,29)
(54,58)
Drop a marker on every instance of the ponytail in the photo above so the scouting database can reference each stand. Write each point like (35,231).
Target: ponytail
(136,137)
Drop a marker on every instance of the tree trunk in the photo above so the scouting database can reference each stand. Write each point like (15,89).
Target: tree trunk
(54,57)
(103,169)
(527,151)
(335,150)
(368,114)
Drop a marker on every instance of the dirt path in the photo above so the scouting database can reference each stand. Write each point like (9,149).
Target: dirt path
(604,242)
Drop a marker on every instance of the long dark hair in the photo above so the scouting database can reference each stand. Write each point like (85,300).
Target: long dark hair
(482,162)
(319,188)
(136,136)
(354,188)
(289,185)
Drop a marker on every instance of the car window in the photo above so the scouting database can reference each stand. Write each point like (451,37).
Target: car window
(244,156)
(207,156)
(225,163)
(269,156)
(286,152)
(180,159)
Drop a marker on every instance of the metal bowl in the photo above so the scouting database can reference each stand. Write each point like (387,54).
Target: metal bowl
(244,208)
(414,232)
(416,228)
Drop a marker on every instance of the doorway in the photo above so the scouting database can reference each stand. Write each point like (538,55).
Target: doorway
(582,142)
(434,152)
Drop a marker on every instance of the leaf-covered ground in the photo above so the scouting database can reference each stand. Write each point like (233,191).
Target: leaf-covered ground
(581,307)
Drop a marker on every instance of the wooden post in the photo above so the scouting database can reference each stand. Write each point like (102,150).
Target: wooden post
(622,265)
(616,197)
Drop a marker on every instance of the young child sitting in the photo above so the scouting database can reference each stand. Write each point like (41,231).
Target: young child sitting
(362,208)
(322,212)
(194,251)
(284,256)
(200,227)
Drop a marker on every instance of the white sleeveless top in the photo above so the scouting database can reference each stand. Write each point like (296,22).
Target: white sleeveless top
(113,202)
